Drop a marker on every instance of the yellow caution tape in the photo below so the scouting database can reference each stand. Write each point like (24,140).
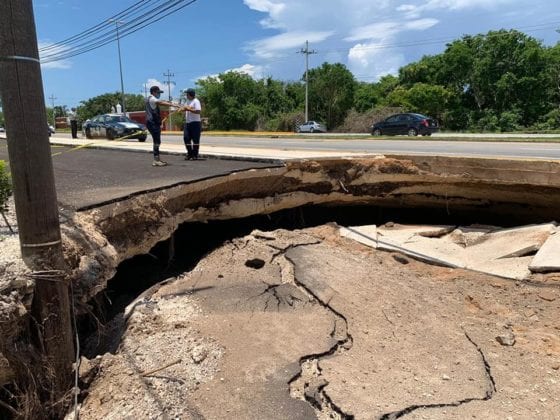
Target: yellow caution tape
(83,146)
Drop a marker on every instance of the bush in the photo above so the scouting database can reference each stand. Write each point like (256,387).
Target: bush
(550,121)
(283,122)
(361,122)
(509,121)
(5,186)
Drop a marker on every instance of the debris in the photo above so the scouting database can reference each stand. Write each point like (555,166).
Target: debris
(199,354)
(506,339)
(400,259)
(151,372)
(548,296)
(446,377)
(547,258)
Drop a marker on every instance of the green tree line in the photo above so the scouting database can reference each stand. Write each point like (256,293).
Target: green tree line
(499,81)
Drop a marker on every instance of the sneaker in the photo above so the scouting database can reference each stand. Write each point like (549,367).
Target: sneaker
(159,163)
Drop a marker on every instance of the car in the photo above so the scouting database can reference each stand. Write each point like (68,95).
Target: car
(311,127)
(114,126)
(51,130)
(410,124)
(2,129)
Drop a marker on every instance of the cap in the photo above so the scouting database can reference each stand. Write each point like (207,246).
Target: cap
(155,89)
(190,91)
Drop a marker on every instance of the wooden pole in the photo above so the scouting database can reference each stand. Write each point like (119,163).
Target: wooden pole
(21,88)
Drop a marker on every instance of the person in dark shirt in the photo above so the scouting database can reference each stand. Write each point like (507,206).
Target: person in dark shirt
(153,120)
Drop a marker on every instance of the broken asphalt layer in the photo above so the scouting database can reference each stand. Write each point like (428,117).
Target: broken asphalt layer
(388,338)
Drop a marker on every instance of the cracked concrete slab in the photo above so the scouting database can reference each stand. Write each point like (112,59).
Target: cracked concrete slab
(319,326)
(263,322)
(547,258)
(424,338)
(501,252)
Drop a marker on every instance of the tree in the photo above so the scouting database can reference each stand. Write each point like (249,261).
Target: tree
(233,100)
(331,93)
(102,104)
(365,97)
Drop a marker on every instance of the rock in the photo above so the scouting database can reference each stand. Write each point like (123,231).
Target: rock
(445,377)
(547,295)
(400,259)
(199,354)
(507,339)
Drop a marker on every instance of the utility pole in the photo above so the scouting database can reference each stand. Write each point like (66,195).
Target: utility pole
(117,23)
(169,75)
(307,53)
(53,98)
(50,328)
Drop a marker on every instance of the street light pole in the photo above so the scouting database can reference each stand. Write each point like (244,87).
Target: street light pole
(117,23)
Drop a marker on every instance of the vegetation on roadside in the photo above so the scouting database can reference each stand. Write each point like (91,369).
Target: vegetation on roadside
(501,81)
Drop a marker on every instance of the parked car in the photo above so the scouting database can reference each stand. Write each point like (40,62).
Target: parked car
(51,130)
(408,123)
(312,127)
(2,129)
(113,126)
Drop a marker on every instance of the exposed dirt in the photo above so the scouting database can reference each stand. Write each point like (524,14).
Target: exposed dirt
(307,324)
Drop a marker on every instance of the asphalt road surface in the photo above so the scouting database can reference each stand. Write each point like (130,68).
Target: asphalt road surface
(397,145)
(87,178)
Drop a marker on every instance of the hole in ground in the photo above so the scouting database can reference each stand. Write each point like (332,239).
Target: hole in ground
(194,240)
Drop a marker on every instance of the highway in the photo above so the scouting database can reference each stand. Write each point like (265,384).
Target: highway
(458,145)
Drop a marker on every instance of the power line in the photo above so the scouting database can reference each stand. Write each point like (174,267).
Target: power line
(152,16)
(107,31)
(95,28)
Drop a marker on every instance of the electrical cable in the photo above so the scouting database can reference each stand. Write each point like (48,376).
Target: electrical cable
(85,33)
(139,23)
(110,31)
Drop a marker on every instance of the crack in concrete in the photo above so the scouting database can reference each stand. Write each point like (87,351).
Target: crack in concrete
(314,389)
(490,391)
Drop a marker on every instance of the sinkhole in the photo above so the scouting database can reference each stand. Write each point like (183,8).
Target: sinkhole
(192,241)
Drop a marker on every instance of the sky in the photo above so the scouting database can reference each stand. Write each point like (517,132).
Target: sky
(265,37)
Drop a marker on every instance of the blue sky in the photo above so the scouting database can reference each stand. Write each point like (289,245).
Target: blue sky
(262,37)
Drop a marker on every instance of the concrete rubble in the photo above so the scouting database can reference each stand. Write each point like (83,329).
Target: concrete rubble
(508,253)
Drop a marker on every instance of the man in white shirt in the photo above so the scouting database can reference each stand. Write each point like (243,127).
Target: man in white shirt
(193,126)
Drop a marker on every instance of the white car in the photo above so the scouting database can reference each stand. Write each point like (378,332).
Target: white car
(312,127)
(51,130)
(2,129)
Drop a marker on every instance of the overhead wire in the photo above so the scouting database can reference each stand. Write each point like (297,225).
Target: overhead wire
(121,15)
(107,33)
(148,18)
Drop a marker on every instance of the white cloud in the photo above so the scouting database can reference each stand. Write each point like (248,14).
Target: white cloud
(51,51)
(413,11)
(256,72)
(163,86)
(362,29)
(272,47)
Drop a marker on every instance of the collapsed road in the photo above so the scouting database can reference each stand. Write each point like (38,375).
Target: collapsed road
(302,324)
